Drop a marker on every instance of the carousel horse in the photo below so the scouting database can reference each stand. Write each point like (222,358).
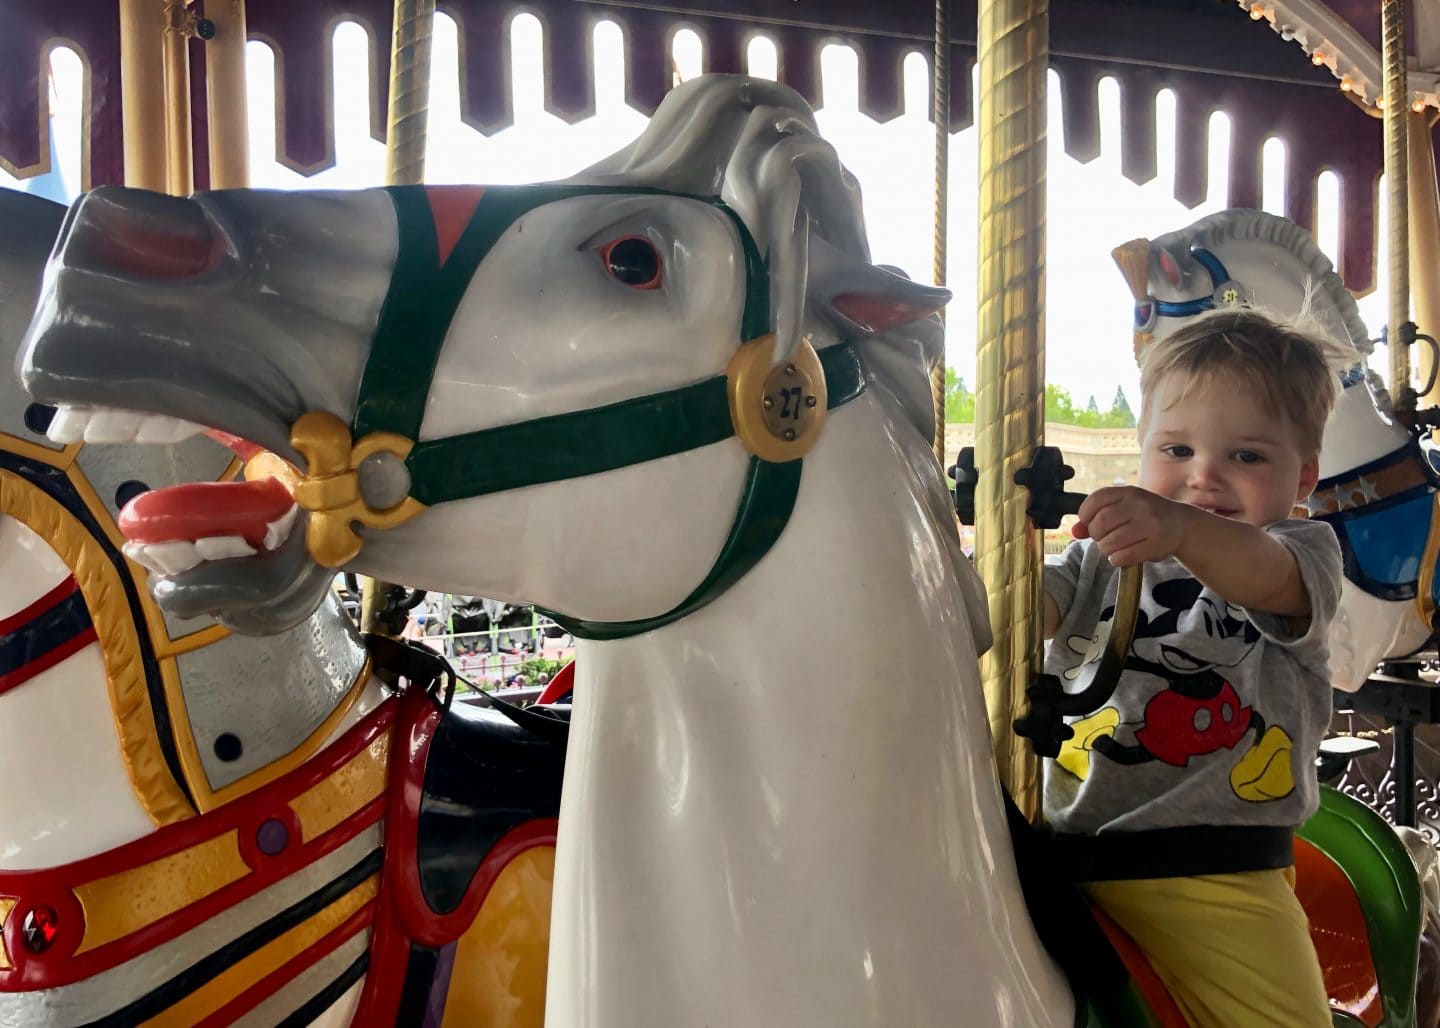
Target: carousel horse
(1378,483)
(199,826)
(726,854)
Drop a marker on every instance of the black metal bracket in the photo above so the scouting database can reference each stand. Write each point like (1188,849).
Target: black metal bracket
(1045,477)
(965,477)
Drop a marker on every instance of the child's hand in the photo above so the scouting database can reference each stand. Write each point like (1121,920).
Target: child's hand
(1131,525)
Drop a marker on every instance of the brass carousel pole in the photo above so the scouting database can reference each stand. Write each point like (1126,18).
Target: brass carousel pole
(179,153)
(941,110)
(227,111)
(1424,215)
(404,166)
(1010,354)
(1397,109)
(142,92)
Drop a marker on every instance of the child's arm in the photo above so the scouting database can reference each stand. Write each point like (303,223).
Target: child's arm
(1053,616)
(1243,563)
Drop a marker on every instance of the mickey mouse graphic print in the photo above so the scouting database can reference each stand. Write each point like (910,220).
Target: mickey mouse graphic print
(1219,714)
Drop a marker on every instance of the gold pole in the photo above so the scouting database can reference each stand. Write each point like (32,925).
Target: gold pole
(1392,29)
(1424,233)
(941,110)
(142,92)
(409,92)
(1010,343)
(227,113)
(179,155)
(404,165)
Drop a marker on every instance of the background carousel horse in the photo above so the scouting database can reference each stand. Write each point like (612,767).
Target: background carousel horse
(193,822)
(733,469)
(1377,485)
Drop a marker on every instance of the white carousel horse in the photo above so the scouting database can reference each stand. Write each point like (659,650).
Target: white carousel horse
(1377,486)
(180,802)
(730,854)
(732,469)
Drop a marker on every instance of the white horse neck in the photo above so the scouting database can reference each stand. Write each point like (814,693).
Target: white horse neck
(792,791)
(1358,433)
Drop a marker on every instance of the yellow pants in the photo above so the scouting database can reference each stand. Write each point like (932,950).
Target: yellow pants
(1233,949)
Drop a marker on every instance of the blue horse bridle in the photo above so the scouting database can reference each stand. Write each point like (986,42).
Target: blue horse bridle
(425,291)
(1224,292)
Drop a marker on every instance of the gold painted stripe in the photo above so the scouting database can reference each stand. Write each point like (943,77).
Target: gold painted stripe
(30,450)
(104,595)
(1424,594)
(500,962)
(267,959)
(6,905)
(193,767)
(125,902)
(360,780)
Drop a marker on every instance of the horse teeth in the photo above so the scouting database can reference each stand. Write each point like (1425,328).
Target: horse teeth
(277,531)
(173,557)
(164,430)
(140,554)
(68,425)
(222,547)
(112,426)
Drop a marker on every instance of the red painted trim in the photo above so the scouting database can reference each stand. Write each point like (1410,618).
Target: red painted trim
(389,944)
(47,660)
(67,588)
(452,207)
(563,682)
(1147,982)
(283,975)
(53,886)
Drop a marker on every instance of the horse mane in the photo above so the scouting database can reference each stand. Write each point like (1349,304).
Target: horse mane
(1245,225)
(754,143)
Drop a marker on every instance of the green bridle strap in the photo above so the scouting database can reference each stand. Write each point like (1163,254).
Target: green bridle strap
(766,504)
(424,294)
(587,442)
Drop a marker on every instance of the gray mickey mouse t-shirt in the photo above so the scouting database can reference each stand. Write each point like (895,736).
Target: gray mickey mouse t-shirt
(1219,714)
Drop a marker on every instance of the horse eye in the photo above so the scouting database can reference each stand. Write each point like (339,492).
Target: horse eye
(634,261)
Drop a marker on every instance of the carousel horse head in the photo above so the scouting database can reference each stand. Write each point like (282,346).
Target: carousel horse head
(422,376)
(1377,485)
(80,630)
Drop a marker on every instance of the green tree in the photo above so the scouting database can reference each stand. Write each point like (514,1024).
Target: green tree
(959,400)
(1120,408)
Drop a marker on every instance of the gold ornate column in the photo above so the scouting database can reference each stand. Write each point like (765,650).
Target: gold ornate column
(179,154)
(1014,42)
(227,113)
(1424,234)
(142,92)
(1396,110)
(404,166)
(940,108)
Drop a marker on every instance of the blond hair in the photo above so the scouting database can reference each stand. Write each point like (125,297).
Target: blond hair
(1286,365)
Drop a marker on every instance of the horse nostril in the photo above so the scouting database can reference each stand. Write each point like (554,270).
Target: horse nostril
(154,237)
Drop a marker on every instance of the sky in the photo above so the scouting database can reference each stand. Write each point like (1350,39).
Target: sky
(1091,207)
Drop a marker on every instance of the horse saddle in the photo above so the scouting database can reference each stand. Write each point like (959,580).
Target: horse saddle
(1354,878)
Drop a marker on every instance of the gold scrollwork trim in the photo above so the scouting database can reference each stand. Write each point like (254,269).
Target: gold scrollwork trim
(104,596)
(6,905)
(330,487)
(61,458)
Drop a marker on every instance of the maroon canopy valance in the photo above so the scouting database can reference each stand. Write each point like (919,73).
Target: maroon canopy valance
(1210,54)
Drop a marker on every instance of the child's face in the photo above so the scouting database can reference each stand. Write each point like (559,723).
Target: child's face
(1223,450)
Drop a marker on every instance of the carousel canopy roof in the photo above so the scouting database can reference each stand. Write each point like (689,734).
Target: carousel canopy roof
(1273,70)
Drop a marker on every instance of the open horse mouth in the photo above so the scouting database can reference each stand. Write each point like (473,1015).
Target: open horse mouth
(173,530)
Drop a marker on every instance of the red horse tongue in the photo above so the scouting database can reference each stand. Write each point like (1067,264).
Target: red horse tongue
(202,509)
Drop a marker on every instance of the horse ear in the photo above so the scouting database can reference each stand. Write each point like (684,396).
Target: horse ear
(883,299)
